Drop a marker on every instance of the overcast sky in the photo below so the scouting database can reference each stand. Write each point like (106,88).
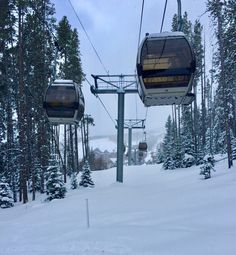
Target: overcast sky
(113,27)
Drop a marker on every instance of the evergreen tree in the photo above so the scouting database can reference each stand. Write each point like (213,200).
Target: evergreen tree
(70,67)
(207,166)
(178,157)
(168,146)
(208,146)
(86,180)
(198,133)
(35,184)
(22,109)
(230,52)
(55,188)
(160,156)
(70,64)
(25,59)
(74,182)
(8,90)
(218,134)
(6,199)
(74,68)
(234,148)
(209,104)
(188,161)
(38,57)
(187,26)
(26,56)
(187,139)
(217,11)
(174,23)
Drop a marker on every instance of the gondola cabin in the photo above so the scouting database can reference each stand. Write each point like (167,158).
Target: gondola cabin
(64,102)
(165,69)
(142,146)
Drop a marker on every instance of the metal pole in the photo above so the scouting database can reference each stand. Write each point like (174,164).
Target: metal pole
(87,213)
(82,136)
(120,135)
(179,16)
(87,137)
(120,85)
(76,148)
(130,146)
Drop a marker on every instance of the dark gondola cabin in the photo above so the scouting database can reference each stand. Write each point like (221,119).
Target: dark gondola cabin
(165,68)
(142,146)
(64,102)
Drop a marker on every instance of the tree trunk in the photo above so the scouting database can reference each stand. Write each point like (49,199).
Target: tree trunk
(195,123)
(76,149)
(224,85)
(22,111)
(65,156)
(72,150)
(203,85)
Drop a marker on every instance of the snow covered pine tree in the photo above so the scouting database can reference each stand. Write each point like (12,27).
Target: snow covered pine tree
(6,200)
(86,180)
(207,167)
(74,182)
(55,187)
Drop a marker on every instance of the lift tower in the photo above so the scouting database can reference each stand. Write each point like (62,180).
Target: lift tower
(120,85)
(132,124)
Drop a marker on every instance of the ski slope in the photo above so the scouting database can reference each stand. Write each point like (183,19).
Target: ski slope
(153,212)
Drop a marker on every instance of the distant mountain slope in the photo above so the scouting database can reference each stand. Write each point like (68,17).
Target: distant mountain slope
(109,143)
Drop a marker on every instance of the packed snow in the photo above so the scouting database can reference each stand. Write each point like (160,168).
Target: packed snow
(174,212)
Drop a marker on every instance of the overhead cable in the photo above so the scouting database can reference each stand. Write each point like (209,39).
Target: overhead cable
(141,22)
(163,17)
(102,103)
(106,110)
(81,24)
(139,36)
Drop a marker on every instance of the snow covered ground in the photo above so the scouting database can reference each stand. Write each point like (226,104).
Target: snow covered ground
(153,212)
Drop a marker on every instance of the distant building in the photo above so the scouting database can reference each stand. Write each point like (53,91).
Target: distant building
(104,160)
